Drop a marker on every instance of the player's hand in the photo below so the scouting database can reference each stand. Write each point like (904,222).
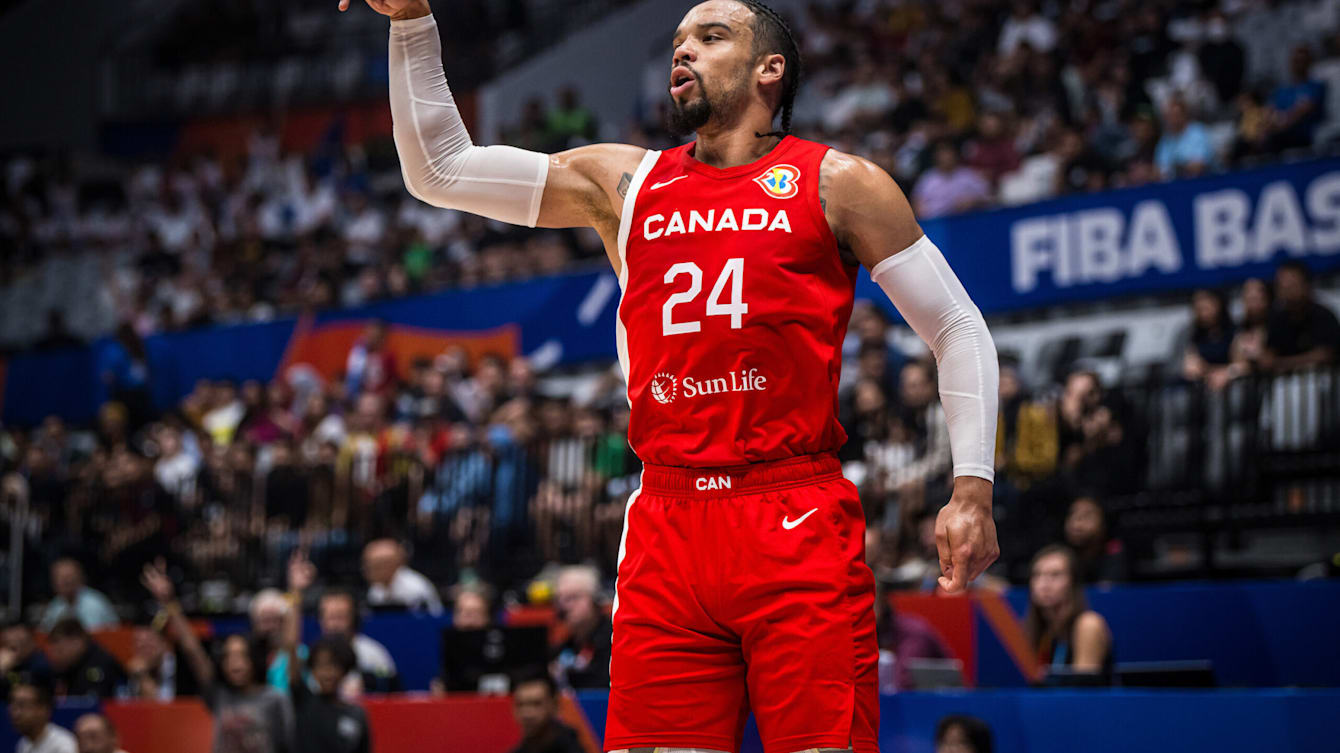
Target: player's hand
(965,534)
(397,10)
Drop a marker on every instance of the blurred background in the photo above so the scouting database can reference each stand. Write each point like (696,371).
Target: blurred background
(235,350)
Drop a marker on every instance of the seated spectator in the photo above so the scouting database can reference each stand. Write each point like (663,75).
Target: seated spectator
(1302,332)
(471,608)
(1102,559)
(30,707)
(902,638)
(993,152)
(325,723)
(268,611)
(79,666)
(371,366)
(1297,108)
(1211,340)
(962,734)
(392,582)
(535,706)
(74,598)
(571,122)
(157,670)
(1061,628)
(1249,343)
(96,734)
(1184,151)
(20,656)
(248,714)
(949,188)
(583,660)
(337,614)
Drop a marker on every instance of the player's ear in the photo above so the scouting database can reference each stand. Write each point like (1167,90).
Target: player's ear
(772,68)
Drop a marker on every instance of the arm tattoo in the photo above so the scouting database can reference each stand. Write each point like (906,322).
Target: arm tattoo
(624,183)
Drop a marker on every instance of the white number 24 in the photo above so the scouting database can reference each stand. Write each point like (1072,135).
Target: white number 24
(732,273)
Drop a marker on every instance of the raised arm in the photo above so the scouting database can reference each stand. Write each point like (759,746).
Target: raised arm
(872,221)
(301,574)
(156,580)
(442,166)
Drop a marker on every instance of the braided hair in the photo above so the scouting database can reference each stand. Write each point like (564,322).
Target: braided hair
(772,35)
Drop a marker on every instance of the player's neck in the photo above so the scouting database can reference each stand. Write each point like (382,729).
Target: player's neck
(733,147)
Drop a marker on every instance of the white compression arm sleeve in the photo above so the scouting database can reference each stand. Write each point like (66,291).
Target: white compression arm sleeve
(440,164)
(930,297)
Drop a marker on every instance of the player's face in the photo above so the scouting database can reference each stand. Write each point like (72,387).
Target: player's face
(712,64)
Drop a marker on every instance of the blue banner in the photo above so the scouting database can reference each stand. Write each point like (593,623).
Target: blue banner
(1171,236)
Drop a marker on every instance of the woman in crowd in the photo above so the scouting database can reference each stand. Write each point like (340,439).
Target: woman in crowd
(1212,332)
(1101,558)
(1061,628)
(249,716)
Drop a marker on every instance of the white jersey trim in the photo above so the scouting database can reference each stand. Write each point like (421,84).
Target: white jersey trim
(625,228)
(623,544)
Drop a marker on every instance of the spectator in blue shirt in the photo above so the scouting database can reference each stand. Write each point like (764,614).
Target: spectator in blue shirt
(74,599)
(1297,107)
(1184,151)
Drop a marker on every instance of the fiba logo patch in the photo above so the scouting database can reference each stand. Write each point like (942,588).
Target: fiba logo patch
(664,387)
(780,182)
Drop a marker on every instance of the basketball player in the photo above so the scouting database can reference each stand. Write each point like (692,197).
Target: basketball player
(742,582)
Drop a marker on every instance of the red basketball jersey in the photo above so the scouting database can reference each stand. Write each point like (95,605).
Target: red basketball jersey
(735,304)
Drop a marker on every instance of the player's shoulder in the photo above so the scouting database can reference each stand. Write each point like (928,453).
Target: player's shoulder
(844,170)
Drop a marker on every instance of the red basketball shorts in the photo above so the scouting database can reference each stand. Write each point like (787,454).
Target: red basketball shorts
(744,588)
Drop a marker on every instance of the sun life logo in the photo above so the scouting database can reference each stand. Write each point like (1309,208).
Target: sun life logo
(780,181)
(664,387)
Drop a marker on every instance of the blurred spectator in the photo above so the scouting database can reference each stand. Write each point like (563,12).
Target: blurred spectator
(371,367)
(1061,628)
(1222,58)
(1251,135)
(80,667)
(1301,332)
(571,123)
(75,599)
(1026,26)
(392,582)
(957,733)
(1209,351)
(902,638)
(268,610)
(248,714)
(124,366)
(992,152)
(20,657)
(324,722)
(583,660)
(471,609)
(95,734)
(535,706)
(30,706)
(58,336)
(949,188)
(1102,558)
(157,669)
(337,614)
(1249,344)
(1298,106)
(1184,151)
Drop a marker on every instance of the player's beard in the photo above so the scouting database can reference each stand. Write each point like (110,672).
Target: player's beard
(686,119)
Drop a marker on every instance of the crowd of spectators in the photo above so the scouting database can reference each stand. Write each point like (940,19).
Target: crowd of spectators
(969,105)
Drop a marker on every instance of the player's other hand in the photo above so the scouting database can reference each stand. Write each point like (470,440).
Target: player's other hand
(399,10)
(965,534)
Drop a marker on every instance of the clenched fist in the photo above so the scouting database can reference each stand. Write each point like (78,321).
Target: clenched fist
(398,10)
(965,534)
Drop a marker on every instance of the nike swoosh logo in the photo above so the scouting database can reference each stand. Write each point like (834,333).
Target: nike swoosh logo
(668,182)
(788,524)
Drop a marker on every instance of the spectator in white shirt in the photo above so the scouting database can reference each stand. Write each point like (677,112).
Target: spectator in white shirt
(393,582)
(30,712)
(1026,25)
